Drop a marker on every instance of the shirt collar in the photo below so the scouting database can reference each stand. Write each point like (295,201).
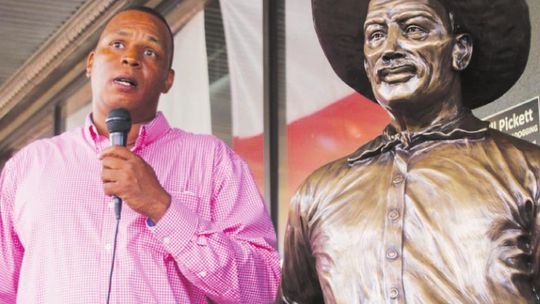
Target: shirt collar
(464,125)
(148,133)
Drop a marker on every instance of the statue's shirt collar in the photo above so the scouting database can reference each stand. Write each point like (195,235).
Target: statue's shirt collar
(464,125)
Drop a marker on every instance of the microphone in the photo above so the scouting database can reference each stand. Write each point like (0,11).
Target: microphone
(118,124)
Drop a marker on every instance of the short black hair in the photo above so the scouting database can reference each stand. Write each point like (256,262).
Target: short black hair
(155,13)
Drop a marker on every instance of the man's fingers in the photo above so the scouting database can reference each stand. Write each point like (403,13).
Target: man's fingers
(110,175)
(116,152)
(112,163)
(111,189)
(116,176)
(114,182)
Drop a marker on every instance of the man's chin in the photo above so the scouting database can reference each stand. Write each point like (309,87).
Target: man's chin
(397,93)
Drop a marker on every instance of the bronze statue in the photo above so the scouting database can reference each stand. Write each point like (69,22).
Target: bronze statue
(439,208)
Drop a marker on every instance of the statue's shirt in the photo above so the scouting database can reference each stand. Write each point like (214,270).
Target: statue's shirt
(446,216)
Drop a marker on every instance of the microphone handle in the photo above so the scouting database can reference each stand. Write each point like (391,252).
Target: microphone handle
(117,139)
(117,206)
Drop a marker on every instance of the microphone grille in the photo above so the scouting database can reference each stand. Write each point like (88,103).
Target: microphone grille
(118,120)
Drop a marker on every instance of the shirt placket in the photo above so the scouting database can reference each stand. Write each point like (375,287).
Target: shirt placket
(393,231)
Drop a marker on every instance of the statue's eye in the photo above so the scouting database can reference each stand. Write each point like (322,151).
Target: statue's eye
(415,31)
(377,35)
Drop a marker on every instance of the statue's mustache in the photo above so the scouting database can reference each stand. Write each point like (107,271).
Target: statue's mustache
(395,66)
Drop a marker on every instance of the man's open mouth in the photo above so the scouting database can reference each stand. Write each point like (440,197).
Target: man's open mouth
(125,81)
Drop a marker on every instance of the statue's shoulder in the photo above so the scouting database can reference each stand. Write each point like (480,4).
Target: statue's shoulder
(329,172)
(508,142)
(323,184)
(517,153)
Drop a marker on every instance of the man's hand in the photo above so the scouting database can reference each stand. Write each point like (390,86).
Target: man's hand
(129,177)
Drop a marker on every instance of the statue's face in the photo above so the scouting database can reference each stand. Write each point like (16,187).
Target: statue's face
(408,50)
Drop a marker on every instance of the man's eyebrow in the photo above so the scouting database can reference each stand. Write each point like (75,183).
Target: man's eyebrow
(122,33)
(373,21)
(153,38)
(148,37)
(410,15)
(401,17)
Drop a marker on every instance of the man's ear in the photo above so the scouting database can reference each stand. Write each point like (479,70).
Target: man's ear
(462,51)
(168,82)
(89,64)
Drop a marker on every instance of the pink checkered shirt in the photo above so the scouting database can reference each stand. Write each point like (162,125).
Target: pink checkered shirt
(216,242)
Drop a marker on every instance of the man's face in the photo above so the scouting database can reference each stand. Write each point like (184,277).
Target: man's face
(130,65)
(408,50)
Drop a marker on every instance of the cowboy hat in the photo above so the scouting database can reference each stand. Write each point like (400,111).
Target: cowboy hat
(500,31)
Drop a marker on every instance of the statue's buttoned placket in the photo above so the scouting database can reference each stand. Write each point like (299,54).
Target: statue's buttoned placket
(392,259)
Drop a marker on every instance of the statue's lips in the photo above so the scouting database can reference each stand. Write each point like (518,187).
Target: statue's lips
(397,74)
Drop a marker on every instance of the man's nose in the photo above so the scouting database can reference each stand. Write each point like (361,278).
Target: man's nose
(390,55)
(393,48)
(131,58)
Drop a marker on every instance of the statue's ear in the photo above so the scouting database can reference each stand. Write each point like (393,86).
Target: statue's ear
(462,51)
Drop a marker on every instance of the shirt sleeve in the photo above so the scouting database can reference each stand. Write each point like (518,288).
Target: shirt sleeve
(233,257)
(11,250)
(300,283)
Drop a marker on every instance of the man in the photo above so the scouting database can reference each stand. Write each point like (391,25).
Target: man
(196,229)
(439,208)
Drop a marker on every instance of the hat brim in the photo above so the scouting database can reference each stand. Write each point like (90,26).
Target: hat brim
(500,30)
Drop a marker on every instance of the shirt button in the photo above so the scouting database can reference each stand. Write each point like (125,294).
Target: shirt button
(202,274)
(202,241)
(110,205)
(391,254)
(398,179)
(393,215)
(108,247)
(394,293)
(166,240)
